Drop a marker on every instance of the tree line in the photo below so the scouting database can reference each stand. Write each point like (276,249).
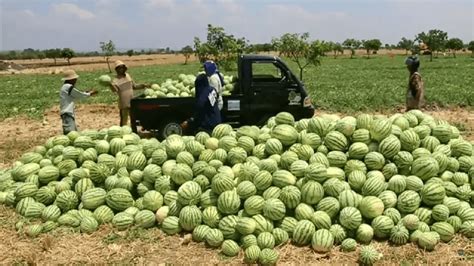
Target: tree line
(224,48)
(69,53)
(299,48)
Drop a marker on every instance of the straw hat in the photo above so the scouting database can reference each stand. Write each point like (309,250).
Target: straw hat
(69,74)
(119,63)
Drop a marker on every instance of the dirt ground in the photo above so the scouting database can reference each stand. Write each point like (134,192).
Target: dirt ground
(46,66)
(139,246)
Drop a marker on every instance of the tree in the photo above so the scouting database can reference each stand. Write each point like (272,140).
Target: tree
(470,47)
(406,44)
(260,47)
(53,54)
(187,51)
(337,49)
(299,49)
(68,54)
(454,44)
(434,39)
(371,45)
(41,55)
(108,49)
(219,46)
(351,44)
(130,52)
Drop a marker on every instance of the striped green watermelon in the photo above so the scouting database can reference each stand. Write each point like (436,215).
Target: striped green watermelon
(336,141)
(382,226)
(432,194)
(119,199)
(303,232)
(390,146)
(312,192)
(425,168)
(322,240)
(350,218)
(445,231)
(330,205)
(442,132)
(380,129)
(371,207)
(190,217)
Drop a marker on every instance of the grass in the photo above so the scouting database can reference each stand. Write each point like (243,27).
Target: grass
(341,85)
(378,84)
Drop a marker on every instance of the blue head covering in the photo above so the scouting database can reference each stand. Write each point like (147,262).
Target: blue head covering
(412,61)
(210,68)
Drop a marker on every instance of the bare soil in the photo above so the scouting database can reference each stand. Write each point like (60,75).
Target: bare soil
(47,66)
(138,246)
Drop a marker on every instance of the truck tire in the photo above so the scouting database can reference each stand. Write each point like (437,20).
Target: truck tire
(168,128)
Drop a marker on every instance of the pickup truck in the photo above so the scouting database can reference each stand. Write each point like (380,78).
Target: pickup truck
(265,86)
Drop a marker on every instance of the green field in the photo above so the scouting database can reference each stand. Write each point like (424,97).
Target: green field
(342,84)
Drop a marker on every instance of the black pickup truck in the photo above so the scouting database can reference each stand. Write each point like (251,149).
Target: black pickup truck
(265,86)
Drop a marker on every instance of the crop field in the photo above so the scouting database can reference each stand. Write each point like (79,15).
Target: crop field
(339,87)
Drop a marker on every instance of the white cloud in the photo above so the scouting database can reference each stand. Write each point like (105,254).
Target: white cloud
(160,3)
(72,9)
(230,6)
(104,3)
(28,13)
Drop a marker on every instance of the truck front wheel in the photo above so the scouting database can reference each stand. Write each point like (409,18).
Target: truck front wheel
(169,128)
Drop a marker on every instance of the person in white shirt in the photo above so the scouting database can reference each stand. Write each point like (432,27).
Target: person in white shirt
(215,80)
(68,94)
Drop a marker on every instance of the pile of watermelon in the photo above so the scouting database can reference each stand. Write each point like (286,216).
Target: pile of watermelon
(183,87)
(175,88)
(321,182)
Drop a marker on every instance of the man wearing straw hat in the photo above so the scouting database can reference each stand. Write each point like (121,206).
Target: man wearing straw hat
(68,94)
(124,85)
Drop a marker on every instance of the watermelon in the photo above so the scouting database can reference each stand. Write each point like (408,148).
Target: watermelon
(322,240)
(350,218)
(303,232)
(336,141)
(369,255)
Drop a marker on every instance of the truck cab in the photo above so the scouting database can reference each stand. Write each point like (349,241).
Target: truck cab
(265,86)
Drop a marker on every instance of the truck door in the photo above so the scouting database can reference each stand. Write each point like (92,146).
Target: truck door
(272,88)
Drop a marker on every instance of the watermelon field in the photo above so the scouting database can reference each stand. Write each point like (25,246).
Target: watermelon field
(338,85)
(361,182)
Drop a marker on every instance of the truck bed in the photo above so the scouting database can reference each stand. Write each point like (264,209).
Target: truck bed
(151,112)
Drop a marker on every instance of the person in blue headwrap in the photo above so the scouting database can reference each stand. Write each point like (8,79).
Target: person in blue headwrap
(416,90)
(206,111)
(215,80)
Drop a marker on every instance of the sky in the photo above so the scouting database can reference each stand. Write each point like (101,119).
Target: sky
(132,24)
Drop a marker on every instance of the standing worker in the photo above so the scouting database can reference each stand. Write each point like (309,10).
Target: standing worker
(215,80)
(416,90)
(206,111)
(68,94)
(124,85)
